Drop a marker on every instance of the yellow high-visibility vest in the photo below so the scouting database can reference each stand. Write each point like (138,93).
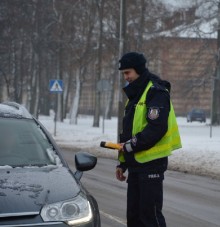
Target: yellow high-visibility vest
(169,142)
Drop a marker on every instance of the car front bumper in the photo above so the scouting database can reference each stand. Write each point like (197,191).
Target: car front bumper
(49,224)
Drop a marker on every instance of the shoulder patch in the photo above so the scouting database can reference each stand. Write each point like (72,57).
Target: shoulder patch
(153,113)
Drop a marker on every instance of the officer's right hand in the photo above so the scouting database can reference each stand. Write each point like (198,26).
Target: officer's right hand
(119,174)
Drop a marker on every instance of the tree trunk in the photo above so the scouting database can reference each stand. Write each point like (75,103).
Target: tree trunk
(216,99)
(216,87)
(66,93)
(35,85)
(108,113)
(59,108)
(60,76)
(141,26)
(12,95)
(22,74)
(76,99)
(30,72)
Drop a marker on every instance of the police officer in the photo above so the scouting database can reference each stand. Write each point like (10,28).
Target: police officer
(149,135)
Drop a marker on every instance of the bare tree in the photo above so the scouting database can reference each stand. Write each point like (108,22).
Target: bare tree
(43,40)
(83,51)
(76,99)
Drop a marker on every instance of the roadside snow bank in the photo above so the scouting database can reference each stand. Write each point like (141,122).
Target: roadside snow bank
(200,154)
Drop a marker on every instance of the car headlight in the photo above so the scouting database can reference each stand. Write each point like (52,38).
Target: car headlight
(74,211)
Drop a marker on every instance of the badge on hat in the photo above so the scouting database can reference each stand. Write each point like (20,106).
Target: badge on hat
(153,113)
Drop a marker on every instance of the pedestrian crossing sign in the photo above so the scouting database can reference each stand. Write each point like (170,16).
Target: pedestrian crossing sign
(56,86)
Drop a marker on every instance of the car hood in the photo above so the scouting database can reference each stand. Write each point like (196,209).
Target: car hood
(28,189)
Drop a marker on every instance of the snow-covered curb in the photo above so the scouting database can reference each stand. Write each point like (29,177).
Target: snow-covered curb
(177,162)
(200,154)
(186,163)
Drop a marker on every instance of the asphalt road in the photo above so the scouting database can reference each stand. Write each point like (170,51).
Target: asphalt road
(189,201)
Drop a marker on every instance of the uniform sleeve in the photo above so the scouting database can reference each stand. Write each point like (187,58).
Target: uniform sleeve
(158,107)
(123,166)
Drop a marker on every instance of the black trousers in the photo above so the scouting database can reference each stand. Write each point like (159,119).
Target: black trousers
(145,200)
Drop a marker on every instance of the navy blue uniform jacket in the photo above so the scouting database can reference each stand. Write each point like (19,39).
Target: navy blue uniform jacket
(158,101)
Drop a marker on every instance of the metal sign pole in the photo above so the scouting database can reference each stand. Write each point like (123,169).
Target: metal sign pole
(56,86)
(122,37)
(55,116)
(103,117)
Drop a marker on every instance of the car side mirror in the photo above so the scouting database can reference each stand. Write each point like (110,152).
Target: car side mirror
(84,162)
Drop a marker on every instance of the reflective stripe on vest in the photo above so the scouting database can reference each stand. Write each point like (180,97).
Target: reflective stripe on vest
(169,142)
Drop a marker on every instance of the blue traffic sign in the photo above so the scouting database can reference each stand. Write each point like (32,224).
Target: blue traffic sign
(56,86)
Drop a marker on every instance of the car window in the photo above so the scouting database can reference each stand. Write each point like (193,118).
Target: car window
(198,111)
(23,143)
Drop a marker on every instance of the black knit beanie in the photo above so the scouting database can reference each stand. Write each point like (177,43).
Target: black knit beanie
(133,60)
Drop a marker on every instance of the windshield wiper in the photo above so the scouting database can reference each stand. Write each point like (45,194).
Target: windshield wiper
(30,165)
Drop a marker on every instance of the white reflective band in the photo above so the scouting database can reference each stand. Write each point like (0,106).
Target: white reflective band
(128,147)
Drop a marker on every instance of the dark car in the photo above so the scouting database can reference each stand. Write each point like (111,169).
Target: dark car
(37,188)
(196,115)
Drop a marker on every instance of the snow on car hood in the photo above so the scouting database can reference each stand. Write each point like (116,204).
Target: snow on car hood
(28,189)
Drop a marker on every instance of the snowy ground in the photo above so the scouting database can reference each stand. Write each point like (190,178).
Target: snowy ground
(200,153)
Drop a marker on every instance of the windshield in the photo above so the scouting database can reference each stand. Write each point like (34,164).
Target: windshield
(198,111)
(23,143)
